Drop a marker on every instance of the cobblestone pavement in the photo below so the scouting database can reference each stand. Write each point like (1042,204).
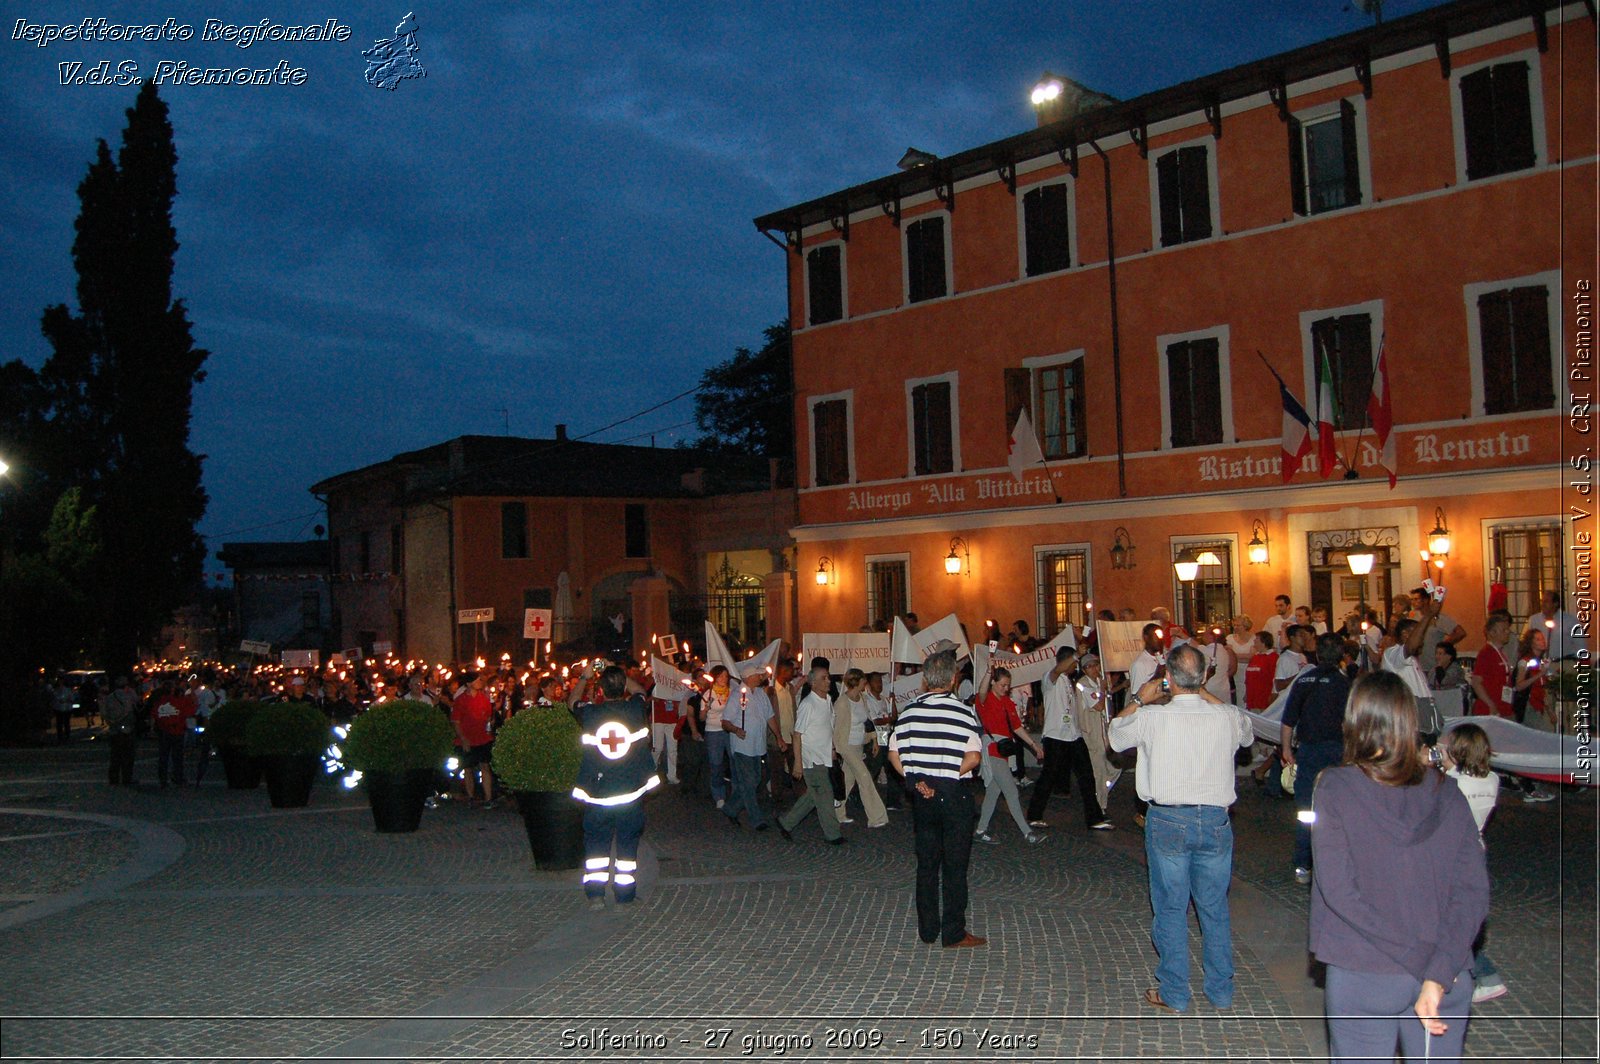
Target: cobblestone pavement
(198,923)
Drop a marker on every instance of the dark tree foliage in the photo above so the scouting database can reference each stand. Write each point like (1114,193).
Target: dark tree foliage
(108,413)
(744,403)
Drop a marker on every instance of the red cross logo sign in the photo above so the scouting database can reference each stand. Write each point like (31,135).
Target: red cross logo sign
(613,740)
(535,623)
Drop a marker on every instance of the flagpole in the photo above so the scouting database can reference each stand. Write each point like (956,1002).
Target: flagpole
(1046,467)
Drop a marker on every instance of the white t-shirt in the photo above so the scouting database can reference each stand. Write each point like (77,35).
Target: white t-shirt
(1274,627)
(1481,793)
(1143,668)
(813,723)
(1059,709)
(1291,663)
(1408,669)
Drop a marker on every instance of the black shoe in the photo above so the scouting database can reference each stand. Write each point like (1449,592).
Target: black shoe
(785,833)
(840,841)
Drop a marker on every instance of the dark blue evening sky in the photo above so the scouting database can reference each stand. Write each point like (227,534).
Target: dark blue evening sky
(555,222)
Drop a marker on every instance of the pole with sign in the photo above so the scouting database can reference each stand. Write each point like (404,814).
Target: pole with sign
(480,618)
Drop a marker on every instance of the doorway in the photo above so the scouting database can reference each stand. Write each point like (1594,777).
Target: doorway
(1339,591)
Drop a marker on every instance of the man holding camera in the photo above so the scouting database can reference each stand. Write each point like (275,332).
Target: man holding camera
(1186,740)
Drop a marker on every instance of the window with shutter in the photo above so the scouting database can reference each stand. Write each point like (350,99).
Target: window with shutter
(1045,227)
(933,448)
(1325,161)
(1063,588)
(1183,191)
(830,442)
(1514,325)
(1194,392)
(1060,418)
(1018,385)
(888,591)
(1497,120)
(925,262)
(825,284)
(1345,340)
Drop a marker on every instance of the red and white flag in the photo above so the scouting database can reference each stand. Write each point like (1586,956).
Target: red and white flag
(1380,411)
(1024,452)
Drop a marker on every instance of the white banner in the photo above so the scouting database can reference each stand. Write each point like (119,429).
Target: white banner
(536,623)
(1027,667)
(671,684)
(254,646)
(867,651)
(301,659)
(477,616)
(1120,643)
(910,648)
(382,647)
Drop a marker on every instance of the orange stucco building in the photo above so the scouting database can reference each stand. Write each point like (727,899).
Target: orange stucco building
(1133,275)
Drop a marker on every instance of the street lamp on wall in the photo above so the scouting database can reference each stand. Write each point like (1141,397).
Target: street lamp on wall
(1360,562)
(1122,549)
(1257,547)
(825,571)
(1439,538)
(955,564)
(1187,565)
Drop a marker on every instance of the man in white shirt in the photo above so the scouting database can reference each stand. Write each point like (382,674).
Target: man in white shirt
(1281,617)
(1065,753)
(1404,659)
(1445,628)
(1294,658)
(1562,631)
(1148,663)
(813,756)
(1186,747)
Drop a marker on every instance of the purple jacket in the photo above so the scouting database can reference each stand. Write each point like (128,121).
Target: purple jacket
(1401,884)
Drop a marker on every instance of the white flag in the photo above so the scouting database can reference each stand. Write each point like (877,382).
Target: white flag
(910,648)
(1024,453)
(671,684)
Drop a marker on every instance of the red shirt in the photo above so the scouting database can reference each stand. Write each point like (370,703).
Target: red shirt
(1258,680)
(999,717)
(471,715)
(172,712)
(663,712)
(1490,667)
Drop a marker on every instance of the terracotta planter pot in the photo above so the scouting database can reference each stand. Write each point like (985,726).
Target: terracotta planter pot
(554,820)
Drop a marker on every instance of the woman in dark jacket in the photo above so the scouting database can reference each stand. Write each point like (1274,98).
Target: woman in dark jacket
(1400,887)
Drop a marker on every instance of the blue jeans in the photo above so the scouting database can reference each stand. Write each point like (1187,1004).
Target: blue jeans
(1310,759)
(1190,853)
(746,781)
(717,761)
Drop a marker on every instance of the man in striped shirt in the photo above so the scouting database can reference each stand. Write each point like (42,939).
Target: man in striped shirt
(936,746)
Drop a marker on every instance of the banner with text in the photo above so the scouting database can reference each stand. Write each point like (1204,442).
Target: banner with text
(867,651)
(1120,643)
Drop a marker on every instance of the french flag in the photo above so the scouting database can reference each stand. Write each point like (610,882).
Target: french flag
(1297,432)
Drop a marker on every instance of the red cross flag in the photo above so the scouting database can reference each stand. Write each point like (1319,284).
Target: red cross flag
(536,624)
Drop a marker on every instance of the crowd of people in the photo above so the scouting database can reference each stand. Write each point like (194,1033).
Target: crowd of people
(1387,814)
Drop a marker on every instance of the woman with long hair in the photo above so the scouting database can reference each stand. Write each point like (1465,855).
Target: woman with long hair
(1400,887)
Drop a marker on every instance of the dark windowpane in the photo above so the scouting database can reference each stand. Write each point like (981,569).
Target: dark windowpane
(1346,343)
(1060,420)
(886,593)
(1194,391)
(1297,166)
(1497,120)
(1352,159)
(513,530)
(1063,590)
(636,530)
(1045,229)
(831,442)
(925,265)
(1209,597)
(930,421)
(825,280)
(1515,329)
(538,598)
(1183,185)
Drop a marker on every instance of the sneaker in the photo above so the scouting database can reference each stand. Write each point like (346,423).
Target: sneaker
(838,803)
(1038,823)
(1302,876)
(1024,781)
(986,838)
(1539,796)
(1035,837)
(491,803)
(1488,992)
(846,819)
(1104,825)
(720,803)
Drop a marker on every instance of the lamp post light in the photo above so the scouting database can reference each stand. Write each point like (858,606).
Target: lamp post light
(825,571)
(1439,538)
(955,564)
(1257,547)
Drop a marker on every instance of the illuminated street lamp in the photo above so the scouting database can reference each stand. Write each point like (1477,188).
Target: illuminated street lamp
(1439,538)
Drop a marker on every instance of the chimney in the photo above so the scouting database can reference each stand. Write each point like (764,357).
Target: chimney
(561,433)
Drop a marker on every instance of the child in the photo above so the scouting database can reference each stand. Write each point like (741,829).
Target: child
(1465,751)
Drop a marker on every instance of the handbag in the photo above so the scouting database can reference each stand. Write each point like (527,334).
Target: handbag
(1008,747)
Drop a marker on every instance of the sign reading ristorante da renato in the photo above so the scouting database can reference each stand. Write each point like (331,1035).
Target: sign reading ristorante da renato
(1449,450)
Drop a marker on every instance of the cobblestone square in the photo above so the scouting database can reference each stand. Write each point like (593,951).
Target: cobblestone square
(200,924)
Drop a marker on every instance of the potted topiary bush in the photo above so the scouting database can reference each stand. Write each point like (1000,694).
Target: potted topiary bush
(226,728)
(398,747)
(289,738)
(536,755)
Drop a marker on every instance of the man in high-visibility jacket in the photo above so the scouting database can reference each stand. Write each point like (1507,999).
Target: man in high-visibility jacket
(617,771)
